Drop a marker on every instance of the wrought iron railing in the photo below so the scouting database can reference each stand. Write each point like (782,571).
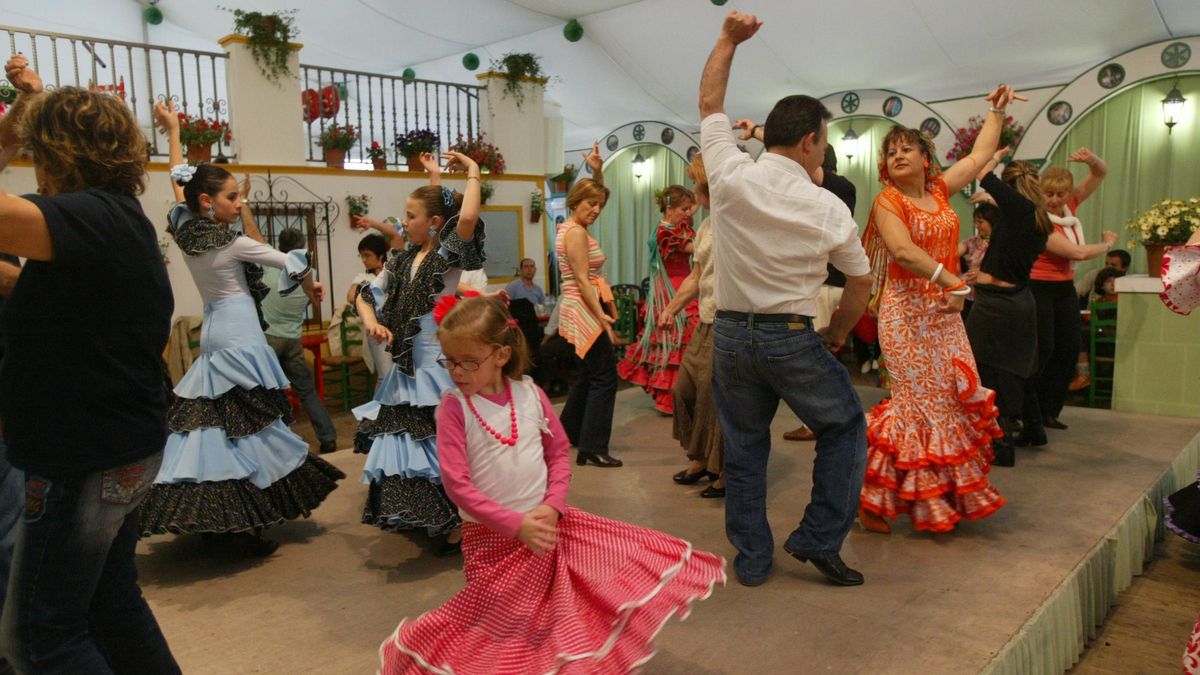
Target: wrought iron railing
(139,73)
(381,107)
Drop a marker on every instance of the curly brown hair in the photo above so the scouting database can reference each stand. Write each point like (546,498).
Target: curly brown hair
(902,134)
(675,195)
(586,188)
(82,139)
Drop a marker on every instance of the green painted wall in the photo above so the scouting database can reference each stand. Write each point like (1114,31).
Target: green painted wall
(1158,358)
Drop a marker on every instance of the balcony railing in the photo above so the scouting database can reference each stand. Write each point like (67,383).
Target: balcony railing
(139,73)
(382,107)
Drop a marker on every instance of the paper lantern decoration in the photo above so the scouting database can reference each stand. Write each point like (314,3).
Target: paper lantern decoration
(310,103)
(573,31)
(331,102)
(470,61)
(409,75)
(152,15)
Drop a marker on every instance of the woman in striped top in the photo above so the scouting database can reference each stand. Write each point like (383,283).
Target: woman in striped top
(586,324)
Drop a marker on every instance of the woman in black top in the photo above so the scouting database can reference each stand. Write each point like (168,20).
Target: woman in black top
(1002,324)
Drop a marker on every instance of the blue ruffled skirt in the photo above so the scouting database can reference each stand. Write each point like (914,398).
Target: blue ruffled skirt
(396,430)
(231,463)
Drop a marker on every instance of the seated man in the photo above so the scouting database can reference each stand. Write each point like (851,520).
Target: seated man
(523,286)
(285,315)
(1117,259)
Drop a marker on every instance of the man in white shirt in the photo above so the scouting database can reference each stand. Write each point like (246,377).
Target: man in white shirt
(775,230)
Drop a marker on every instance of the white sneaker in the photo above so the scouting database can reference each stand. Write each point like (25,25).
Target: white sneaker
(875,365)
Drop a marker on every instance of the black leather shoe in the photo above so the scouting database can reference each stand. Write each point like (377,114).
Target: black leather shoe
(600,459)
(448,549)
(1032,435)
(685,478)
(328,447)
(711,492)
(833,568)
(1052,423)
(1003,453)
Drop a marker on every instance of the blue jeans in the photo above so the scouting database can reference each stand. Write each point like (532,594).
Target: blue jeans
(74,605)
(754,366)
(12,498)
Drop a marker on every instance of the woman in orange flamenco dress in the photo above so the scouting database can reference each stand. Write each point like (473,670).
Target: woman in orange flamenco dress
(653,362)
(929,446)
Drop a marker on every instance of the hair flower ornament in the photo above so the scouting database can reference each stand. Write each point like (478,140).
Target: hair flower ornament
(182,173)
(446,303)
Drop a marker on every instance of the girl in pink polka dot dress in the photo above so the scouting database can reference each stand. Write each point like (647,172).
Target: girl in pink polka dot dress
(550,589)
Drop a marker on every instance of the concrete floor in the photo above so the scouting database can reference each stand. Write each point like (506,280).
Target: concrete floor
(931,603)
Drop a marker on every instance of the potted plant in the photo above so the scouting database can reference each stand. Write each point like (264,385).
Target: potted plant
(198,135)
(486,155)
(537,204)
(562,182)
(486,190)
(1168,223)
(516,67)
(269,36)
(378,156)
(964,138)
(358,205)
(336,140)
(410,145)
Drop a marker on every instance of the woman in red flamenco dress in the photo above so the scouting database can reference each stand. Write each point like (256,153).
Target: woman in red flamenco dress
(653,362)
(929,446)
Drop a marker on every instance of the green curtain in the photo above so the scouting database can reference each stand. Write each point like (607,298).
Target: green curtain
(1145,164)
(862,168)
(629,218)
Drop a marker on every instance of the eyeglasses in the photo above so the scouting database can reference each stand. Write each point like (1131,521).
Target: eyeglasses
(469,365)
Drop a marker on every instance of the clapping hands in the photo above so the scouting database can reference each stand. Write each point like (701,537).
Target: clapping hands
(539,529)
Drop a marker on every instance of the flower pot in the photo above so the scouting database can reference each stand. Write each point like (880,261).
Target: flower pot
(535,216)
(199,153)
(380,163)
(414,163)
(1154,259)
(560,185)
(335,158)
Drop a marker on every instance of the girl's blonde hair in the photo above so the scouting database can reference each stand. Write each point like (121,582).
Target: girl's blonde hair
(696,172)
(487,320)
(1024,177)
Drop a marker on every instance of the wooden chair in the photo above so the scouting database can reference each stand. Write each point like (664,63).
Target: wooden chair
(346,375)
(1103,331)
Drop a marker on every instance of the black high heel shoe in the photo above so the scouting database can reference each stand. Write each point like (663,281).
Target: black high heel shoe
(600,459)
(685,478)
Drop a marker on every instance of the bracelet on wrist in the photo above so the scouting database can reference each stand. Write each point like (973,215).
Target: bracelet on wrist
(994,109)
(752,130)
(962,283)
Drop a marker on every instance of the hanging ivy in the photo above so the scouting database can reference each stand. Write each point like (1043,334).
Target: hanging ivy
(515,66)
(269,36)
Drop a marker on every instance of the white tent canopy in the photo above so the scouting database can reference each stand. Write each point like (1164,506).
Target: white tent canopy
(641,59)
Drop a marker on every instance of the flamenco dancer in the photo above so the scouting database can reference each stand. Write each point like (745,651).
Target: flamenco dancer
(549,588)
(929,446)
(653,362)
(231,465)
(396,429)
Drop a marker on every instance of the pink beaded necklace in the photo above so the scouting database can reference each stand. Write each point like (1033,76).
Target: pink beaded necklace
(512,413)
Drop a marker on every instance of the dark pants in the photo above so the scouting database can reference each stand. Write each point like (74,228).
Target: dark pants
(291,357)
(74,605)
(1009,388)
(588,412)
(1058,345)
(12,498)
(754,366)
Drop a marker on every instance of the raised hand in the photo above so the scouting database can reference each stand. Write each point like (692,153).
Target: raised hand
(593,159)
(459,161)
(165,117)
(429,162)
(1002,153)
(981,197)
(1083,155)
(1109,237)
(24,78)
(740,27)
(747,127)
(244,190)
(1002,95)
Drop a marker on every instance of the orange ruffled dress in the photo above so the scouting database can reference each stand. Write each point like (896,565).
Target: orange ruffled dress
(930,444)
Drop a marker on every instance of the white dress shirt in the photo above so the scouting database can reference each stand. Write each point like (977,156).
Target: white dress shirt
(774,229)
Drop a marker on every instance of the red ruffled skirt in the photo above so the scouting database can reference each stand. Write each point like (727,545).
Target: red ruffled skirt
(593,605)
(653,361)
(929,446)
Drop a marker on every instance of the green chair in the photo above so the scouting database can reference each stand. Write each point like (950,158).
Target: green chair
(626,297)
(346,375)
(1102,331)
